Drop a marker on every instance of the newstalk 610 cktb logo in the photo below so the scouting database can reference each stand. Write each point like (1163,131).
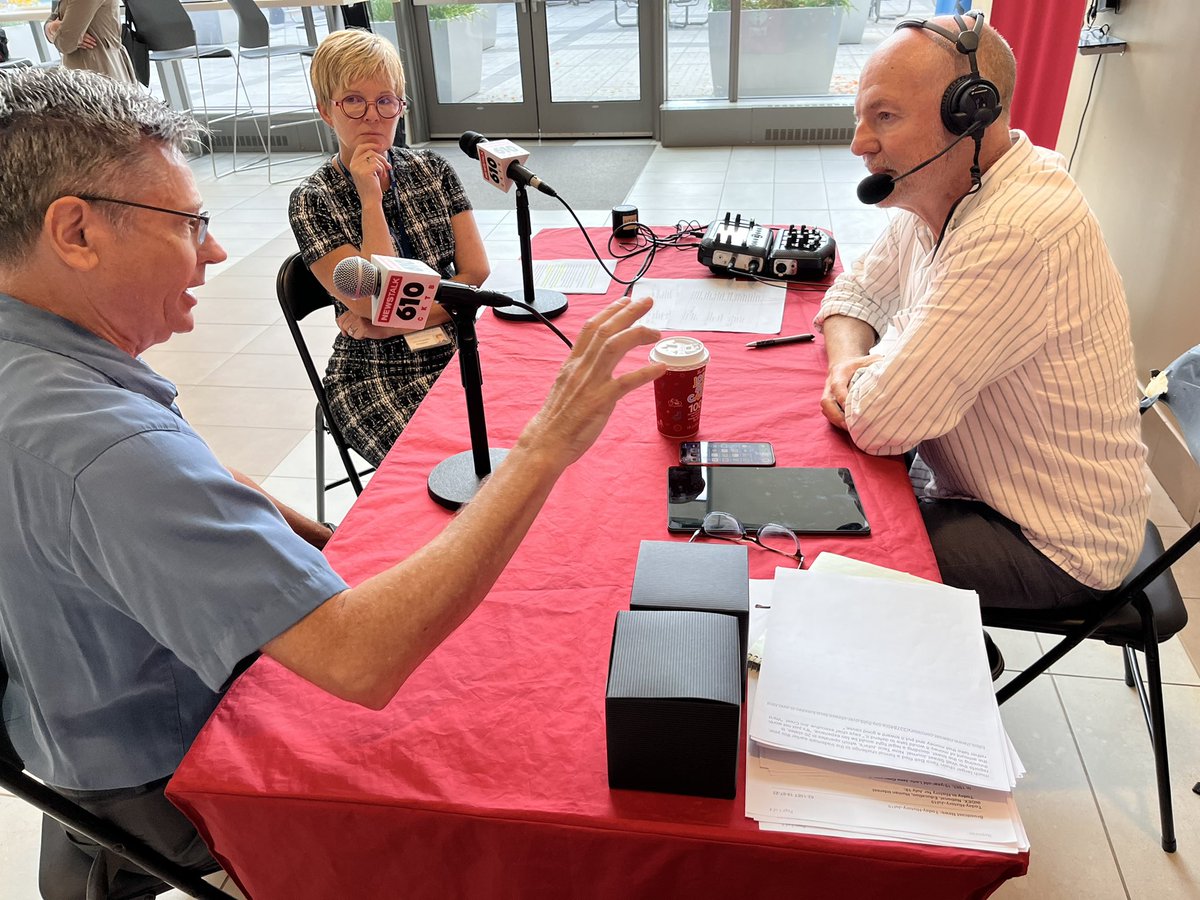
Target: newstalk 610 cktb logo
(407,294)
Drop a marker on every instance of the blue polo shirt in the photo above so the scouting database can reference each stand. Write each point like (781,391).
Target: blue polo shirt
(135,572)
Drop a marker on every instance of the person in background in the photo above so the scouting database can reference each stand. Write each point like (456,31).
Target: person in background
(144,575)
(988,329)
(373,198)
(88,35)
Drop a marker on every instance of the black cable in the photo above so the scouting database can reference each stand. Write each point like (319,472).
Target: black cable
(976,185)
(542,319)
(1086,103)
(642,233)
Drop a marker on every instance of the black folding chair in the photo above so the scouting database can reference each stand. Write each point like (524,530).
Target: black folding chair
(1144,611)
(299,294)
(65,868)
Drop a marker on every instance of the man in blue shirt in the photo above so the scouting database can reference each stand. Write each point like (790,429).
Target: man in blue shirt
(140,573)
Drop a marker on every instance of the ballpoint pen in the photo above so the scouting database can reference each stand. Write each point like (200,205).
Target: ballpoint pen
(774,342)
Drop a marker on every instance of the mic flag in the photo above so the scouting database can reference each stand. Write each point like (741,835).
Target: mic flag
(401,290)
(502,162)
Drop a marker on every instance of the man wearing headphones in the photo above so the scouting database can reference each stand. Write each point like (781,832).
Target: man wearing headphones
(987,328)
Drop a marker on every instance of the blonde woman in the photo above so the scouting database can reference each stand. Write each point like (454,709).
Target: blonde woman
(373,198)
(88,35)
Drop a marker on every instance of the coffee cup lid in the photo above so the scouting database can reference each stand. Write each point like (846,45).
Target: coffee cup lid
(680,352)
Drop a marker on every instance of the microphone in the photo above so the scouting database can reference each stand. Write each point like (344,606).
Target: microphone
(877,188)
(362,279)
(502,162)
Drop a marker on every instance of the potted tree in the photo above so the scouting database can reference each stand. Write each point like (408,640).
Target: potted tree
(789,47)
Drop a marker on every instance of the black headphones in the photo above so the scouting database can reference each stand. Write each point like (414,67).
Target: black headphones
(970,101)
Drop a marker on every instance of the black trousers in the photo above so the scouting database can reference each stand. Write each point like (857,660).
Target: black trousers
(980,550)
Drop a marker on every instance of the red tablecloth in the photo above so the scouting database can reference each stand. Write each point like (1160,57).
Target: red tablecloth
(486,776)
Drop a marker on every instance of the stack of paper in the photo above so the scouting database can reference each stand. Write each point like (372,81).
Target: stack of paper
(873,715)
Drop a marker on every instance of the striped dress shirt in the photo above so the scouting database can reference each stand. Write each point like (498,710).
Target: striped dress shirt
(1007,360)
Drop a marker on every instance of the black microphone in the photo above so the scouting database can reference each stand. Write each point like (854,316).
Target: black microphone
(877,188)
(469,143)
(362,279)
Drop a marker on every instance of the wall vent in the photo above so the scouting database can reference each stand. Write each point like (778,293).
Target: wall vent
(251,140)
(808,135)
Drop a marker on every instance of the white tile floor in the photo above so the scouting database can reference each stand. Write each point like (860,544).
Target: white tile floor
(1088,801)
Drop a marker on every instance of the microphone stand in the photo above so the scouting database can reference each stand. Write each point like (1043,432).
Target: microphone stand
(548,303)
(457,479)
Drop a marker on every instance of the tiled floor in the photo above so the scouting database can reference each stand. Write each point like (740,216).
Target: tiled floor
(1088,801)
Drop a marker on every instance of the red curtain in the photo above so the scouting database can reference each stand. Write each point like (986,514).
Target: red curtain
(1045,38)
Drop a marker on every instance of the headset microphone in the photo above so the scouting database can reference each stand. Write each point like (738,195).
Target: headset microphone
(877,188)
(970,104)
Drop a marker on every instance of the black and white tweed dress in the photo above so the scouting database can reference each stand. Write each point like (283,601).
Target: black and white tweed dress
(375,386)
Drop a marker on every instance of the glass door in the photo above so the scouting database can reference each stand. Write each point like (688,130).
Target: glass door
(530,68)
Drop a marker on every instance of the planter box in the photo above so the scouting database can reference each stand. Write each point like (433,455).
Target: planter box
(386,30)
(457,57)
(784,52)
(487,20)
(854,22)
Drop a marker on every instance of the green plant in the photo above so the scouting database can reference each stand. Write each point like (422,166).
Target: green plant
(381,11)
(723,5)
(451,11)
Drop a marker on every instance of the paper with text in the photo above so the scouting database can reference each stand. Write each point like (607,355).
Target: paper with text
(880,673)
(712,304)
(569,276)
(825,796)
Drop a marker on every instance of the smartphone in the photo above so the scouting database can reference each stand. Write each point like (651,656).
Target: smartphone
(726,453)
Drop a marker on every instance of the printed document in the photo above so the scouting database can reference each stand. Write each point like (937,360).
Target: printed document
(712,304)
(880,673)
(568,276)
(810,794)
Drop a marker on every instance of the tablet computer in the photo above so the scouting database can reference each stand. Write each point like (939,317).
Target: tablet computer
(808,501)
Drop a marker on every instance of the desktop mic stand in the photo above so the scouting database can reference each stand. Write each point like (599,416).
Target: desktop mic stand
(548,303)
(456,480)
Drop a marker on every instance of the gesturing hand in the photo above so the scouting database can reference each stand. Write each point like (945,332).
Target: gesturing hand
(586,391)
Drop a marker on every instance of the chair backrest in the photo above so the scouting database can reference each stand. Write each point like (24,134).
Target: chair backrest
(300,294)
(253,29)
(162,24)
(1182,397)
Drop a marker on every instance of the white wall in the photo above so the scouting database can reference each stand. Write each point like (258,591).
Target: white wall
(1135,165)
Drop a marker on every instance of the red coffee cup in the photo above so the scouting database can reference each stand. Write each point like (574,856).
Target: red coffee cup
(678,392)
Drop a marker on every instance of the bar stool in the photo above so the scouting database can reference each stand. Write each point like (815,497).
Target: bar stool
(254,42)
(167,31)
